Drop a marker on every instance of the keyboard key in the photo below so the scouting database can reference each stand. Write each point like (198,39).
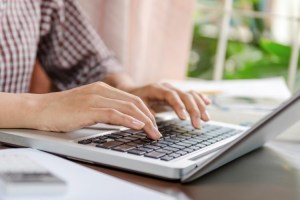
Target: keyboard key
(180,131)
(188,134)
(108,145)
(167,158)
(201,145)
(123,140)
(164,151)
(184,136)
(130,138)
(196,140)
(138,136)
(140,142)
(201,137)
(194,147)
(114,136)
(134,144)
(212,141)
(189,150)
(170,149)
(154,154)
(144,149)
(177,146)
(143,134)
(146,140)
(87,141)
(123,148)
(159,144)
(151,146)
(184,144)
(173,140)
(181,152)
(99,141)
(124,134)
(165,142)
(136,152)
(218,139)
(190,142)
(175,155)
(206,143)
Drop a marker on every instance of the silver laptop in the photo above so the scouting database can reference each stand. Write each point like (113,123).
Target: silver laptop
(183,153)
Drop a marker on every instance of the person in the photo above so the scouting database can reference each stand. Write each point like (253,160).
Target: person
(92,85)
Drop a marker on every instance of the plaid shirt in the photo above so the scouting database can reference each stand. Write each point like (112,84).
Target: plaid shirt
(56,33)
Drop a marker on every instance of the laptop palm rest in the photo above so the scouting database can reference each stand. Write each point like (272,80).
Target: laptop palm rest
(69,136)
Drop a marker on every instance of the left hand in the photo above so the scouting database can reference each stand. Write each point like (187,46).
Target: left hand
(192,102)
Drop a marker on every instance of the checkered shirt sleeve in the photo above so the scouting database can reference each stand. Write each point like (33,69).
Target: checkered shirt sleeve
(56,33)
(70,50)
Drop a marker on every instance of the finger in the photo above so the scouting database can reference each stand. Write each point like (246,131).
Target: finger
(112,116)
(148,103)
(130,109)
(201,105)
(192,108)
(152,112)
(113,93)
(205,99)
(190,104)
(171,97)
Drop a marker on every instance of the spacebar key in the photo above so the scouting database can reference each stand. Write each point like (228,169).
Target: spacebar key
(154,154)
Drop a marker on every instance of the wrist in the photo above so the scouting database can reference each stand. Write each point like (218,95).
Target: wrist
(120,81)
(17,110)
(30,109)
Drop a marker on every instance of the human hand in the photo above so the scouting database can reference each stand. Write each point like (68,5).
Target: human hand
(180,101)
(87,105)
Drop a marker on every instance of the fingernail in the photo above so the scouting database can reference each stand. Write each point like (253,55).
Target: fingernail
(182,114)
(207,115)
(137,124)
(155,130)
(207,100)
(197,123)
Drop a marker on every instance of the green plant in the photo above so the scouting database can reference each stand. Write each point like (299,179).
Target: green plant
(259,58)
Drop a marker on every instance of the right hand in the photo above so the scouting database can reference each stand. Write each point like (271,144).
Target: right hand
(90,104)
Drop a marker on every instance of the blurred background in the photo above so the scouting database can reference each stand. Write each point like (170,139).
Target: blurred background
(261,36)
(202,39)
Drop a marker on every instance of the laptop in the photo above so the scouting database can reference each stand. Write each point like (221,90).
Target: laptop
(183,153)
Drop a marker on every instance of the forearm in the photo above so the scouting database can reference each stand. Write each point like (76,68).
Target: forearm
(17,110)
(120,80)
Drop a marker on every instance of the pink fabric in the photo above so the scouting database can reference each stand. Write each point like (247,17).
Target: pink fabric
(151,38)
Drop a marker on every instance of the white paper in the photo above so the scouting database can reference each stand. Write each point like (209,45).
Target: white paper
(84,183)
(271,88)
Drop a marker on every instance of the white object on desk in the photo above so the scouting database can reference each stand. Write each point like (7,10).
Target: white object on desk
(269,88)
(20,176)
(84,183)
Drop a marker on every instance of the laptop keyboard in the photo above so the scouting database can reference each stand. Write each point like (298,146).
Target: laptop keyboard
(179,138)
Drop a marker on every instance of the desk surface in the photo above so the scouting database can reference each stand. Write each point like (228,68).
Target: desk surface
(271,172)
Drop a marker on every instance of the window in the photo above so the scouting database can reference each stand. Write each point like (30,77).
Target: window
(243,39)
